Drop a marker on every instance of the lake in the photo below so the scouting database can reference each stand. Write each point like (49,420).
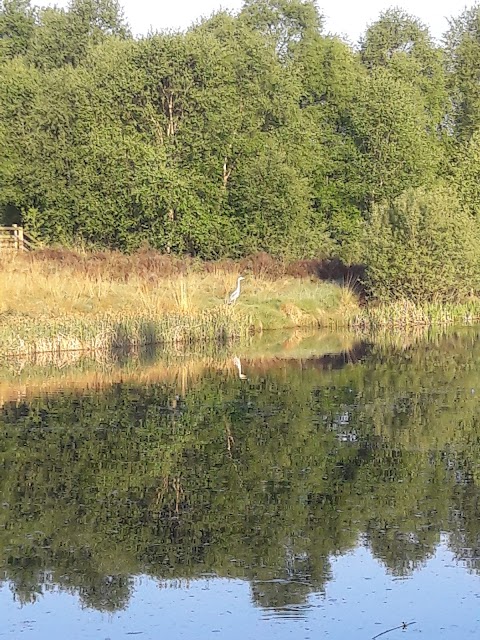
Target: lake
(313,491)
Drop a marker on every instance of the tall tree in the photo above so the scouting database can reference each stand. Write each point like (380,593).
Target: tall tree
(390,126)
(63,36)
(466,174)
(332,79)
(462,47)
(400,43)
(17,24)
(19,186)
(284,22)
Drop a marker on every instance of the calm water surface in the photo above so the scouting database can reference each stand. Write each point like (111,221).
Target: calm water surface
(323,497)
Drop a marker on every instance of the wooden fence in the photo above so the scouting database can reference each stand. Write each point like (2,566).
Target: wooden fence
(14,238)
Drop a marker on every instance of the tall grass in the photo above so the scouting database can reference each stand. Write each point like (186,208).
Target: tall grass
(50,305)
(116,331)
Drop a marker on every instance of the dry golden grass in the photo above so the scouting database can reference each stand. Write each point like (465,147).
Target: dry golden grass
(32,287)
(64,301)
(47,306)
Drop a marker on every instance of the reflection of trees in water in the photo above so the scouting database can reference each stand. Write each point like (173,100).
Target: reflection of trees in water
(464,538)
(280,594)
(106,593)
(401,551)
(293,584)
(254,480)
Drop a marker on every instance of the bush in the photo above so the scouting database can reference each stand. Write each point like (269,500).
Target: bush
(423,246)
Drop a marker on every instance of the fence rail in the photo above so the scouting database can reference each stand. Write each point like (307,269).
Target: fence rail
(14,238)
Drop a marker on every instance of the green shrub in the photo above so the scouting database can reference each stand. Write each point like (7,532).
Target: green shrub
(423,246)
(467,175)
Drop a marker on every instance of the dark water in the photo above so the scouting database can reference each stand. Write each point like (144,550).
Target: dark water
(328,497)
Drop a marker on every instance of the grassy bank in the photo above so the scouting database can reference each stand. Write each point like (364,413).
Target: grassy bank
(62,301)
(65,302)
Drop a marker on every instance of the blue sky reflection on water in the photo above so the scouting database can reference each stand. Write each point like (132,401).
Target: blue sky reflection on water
(360,601)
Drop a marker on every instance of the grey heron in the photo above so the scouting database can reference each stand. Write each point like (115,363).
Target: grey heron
(234,295)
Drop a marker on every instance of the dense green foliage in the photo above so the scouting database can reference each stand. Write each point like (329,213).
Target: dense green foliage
(248,132)
(264,479)
(423,246)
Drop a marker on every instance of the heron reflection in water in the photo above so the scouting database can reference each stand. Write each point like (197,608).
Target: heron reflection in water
(238,364)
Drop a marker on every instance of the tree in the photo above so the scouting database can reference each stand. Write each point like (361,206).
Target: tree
(248,132)
(332,80)
(390,127)
(401,43)
(462,47)
(18,92)
(63,36)
(17,24)
(286,23)
(466,174)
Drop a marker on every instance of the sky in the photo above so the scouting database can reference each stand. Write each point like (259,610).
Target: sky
(344,17)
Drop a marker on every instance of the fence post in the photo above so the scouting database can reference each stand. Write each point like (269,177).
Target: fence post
(15,236)
(21,243)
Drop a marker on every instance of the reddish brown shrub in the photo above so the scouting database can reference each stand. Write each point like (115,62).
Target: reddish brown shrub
(150,265)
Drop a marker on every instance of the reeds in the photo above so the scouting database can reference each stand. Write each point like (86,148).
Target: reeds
(109,332)
(406,314)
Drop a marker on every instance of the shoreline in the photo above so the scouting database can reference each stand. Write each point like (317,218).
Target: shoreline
(24,336)
(80,303)
(22,377)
